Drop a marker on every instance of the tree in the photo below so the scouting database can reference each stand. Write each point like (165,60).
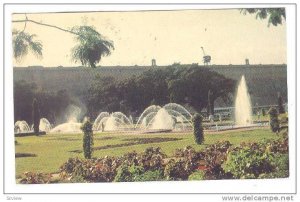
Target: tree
(280,104)
(52,104)
(36,116)
(22,42)
(88,141)
(184,85)
(198,129)
(190,85)
(274,122)
(24,92)
(91,47)
(275,16)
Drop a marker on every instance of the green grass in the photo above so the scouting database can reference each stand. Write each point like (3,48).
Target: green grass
(52,150)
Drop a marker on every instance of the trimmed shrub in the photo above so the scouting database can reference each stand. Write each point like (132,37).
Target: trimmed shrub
(87,139)
(36,116)
(198,129)
(274,122)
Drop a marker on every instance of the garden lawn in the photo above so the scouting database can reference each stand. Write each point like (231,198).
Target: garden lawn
(52,150)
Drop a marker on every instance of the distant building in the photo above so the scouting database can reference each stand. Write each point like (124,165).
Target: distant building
(247,61)
(153,63)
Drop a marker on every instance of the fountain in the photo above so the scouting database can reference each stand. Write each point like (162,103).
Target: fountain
(156,118)
(21,127)
(72,125)
(162,121)
(243,110)
(45,125)
(151,110)
(69,127)
(112,122)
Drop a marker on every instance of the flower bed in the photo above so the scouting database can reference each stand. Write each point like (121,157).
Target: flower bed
(222,160)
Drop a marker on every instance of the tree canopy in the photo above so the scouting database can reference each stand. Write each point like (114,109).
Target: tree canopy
(52,104)
(188,86)
(275,16)
(23,42)
(91,46)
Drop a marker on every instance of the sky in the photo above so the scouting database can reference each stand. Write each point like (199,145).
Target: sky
(228,36)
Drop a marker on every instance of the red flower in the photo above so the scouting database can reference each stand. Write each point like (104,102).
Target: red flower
(202,167)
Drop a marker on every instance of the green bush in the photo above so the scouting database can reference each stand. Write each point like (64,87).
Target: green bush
(87,139)
(281,164)
(214,156)
(190,155)
(69,166)
(78,179)
(280,145)
(156,175)
(197,175)
(126,173)
(249,163)
(177,170)
(151,159)
(90,170)
(198,129)
(266,159)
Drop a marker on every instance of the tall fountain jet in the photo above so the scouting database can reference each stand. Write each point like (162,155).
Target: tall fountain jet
(243,109)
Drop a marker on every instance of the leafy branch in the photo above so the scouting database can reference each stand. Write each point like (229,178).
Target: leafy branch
(43,24)
(89,50)
(275,15)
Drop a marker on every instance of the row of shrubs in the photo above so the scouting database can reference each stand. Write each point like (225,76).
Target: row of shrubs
(266,159)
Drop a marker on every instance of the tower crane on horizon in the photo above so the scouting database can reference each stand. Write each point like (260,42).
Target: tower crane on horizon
(206,58)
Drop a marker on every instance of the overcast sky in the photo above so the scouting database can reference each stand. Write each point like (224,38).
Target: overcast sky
(168,36)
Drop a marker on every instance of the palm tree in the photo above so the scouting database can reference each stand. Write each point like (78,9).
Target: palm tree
(22,42)
(91,47)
